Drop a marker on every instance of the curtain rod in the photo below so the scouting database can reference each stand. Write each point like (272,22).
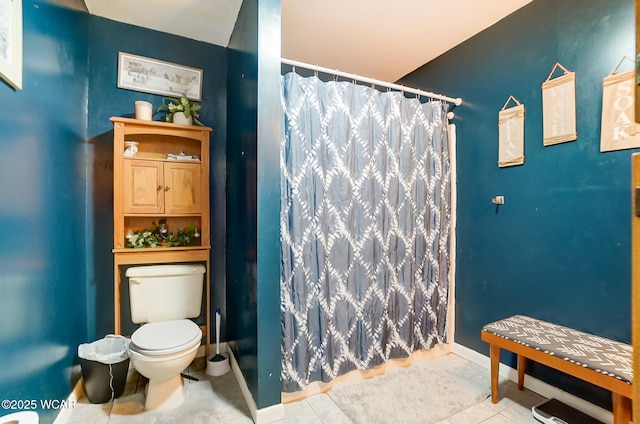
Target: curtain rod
(457,101)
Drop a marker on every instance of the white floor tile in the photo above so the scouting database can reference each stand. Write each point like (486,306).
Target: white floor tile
(300,412)
(474,415)
(498,419)
(327,410)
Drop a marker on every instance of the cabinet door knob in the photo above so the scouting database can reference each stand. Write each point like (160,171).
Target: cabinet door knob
(159,187)
(166,188)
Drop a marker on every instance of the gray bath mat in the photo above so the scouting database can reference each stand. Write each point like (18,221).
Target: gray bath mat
(426,393)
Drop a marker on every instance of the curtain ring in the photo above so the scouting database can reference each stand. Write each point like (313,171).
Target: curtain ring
(315,71)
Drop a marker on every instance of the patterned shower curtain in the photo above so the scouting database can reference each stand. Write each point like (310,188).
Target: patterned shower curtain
(365,228)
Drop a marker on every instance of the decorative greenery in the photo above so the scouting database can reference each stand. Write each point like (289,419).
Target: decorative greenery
(158,236)
(144,238)
(173,105)
(181,237)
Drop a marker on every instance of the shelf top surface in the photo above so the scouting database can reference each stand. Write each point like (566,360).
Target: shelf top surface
(158,124)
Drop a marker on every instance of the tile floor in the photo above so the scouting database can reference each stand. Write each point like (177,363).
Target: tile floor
(219,400)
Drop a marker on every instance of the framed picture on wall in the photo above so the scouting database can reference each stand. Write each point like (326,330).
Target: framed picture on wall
(158,77)
(11,42)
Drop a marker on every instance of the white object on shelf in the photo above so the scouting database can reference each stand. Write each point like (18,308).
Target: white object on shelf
(182,156)
(131,148)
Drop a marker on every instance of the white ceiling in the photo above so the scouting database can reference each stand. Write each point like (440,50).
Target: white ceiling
(382,39)
(373,38)
(210,21)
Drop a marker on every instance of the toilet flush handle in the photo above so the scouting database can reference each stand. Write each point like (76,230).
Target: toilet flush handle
(135,280)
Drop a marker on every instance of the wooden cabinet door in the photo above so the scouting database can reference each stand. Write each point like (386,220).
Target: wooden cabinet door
(182,188)
(143,186)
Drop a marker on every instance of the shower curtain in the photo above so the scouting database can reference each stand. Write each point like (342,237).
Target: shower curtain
(365,227)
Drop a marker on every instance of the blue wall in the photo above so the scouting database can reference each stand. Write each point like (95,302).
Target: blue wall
(268,176)
(42,211)
(106,39)
(242,151)
(56,265)
(559,249)
(253,248)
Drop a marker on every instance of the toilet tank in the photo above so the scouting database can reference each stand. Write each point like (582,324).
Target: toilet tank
(165,292)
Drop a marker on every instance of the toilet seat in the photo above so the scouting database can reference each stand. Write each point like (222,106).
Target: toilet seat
(165,337)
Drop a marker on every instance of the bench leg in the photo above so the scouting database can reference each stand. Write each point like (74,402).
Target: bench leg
(494,353)
(621,409)
(522,364)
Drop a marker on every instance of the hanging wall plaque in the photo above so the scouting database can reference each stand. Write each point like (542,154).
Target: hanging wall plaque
(511,134)
(559,107)
(619,129)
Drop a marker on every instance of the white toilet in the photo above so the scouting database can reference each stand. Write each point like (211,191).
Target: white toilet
(163,297)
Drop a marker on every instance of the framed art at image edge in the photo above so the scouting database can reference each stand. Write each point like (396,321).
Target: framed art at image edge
(11,42)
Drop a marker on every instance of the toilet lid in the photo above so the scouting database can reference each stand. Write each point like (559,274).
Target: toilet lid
(165,336)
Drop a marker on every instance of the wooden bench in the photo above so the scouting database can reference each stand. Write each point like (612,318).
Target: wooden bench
(603,362)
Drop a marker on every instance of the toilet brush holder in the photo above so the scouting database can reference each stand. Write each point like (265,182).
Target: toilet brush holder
(218,364)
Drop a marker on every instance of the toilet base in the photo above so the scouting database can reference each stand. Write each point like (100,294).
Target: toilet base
(164,395)
(165,389)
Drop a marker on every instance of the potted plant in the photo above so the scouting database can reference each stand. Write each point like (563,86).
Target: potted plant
(180,111)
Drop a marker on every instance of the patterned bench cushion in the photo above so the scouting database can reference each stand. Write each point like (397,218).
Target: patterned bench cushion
(602,355)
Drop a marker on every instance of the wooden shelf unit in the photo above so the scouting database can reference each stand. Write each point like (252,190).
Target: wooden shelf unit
(150,187)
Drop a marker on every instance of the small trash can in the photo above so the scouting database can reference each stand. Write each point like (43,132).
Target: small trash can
(104,364)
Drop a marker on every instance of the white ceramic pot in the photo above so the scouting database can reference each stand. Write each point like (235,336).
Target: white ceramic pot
(179,118)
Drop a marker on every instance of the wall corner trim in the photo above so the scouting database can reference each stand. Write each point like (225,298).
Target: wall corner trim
(260,416)
(269,414)
(76,394)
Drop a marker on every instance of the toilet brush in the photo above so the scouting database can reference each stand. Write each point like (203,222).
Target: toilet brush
(217,364)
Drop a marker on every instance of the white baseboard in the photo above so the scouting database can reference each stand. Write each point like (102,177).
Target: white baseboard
(65,413)
(260,416)
(535,385)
